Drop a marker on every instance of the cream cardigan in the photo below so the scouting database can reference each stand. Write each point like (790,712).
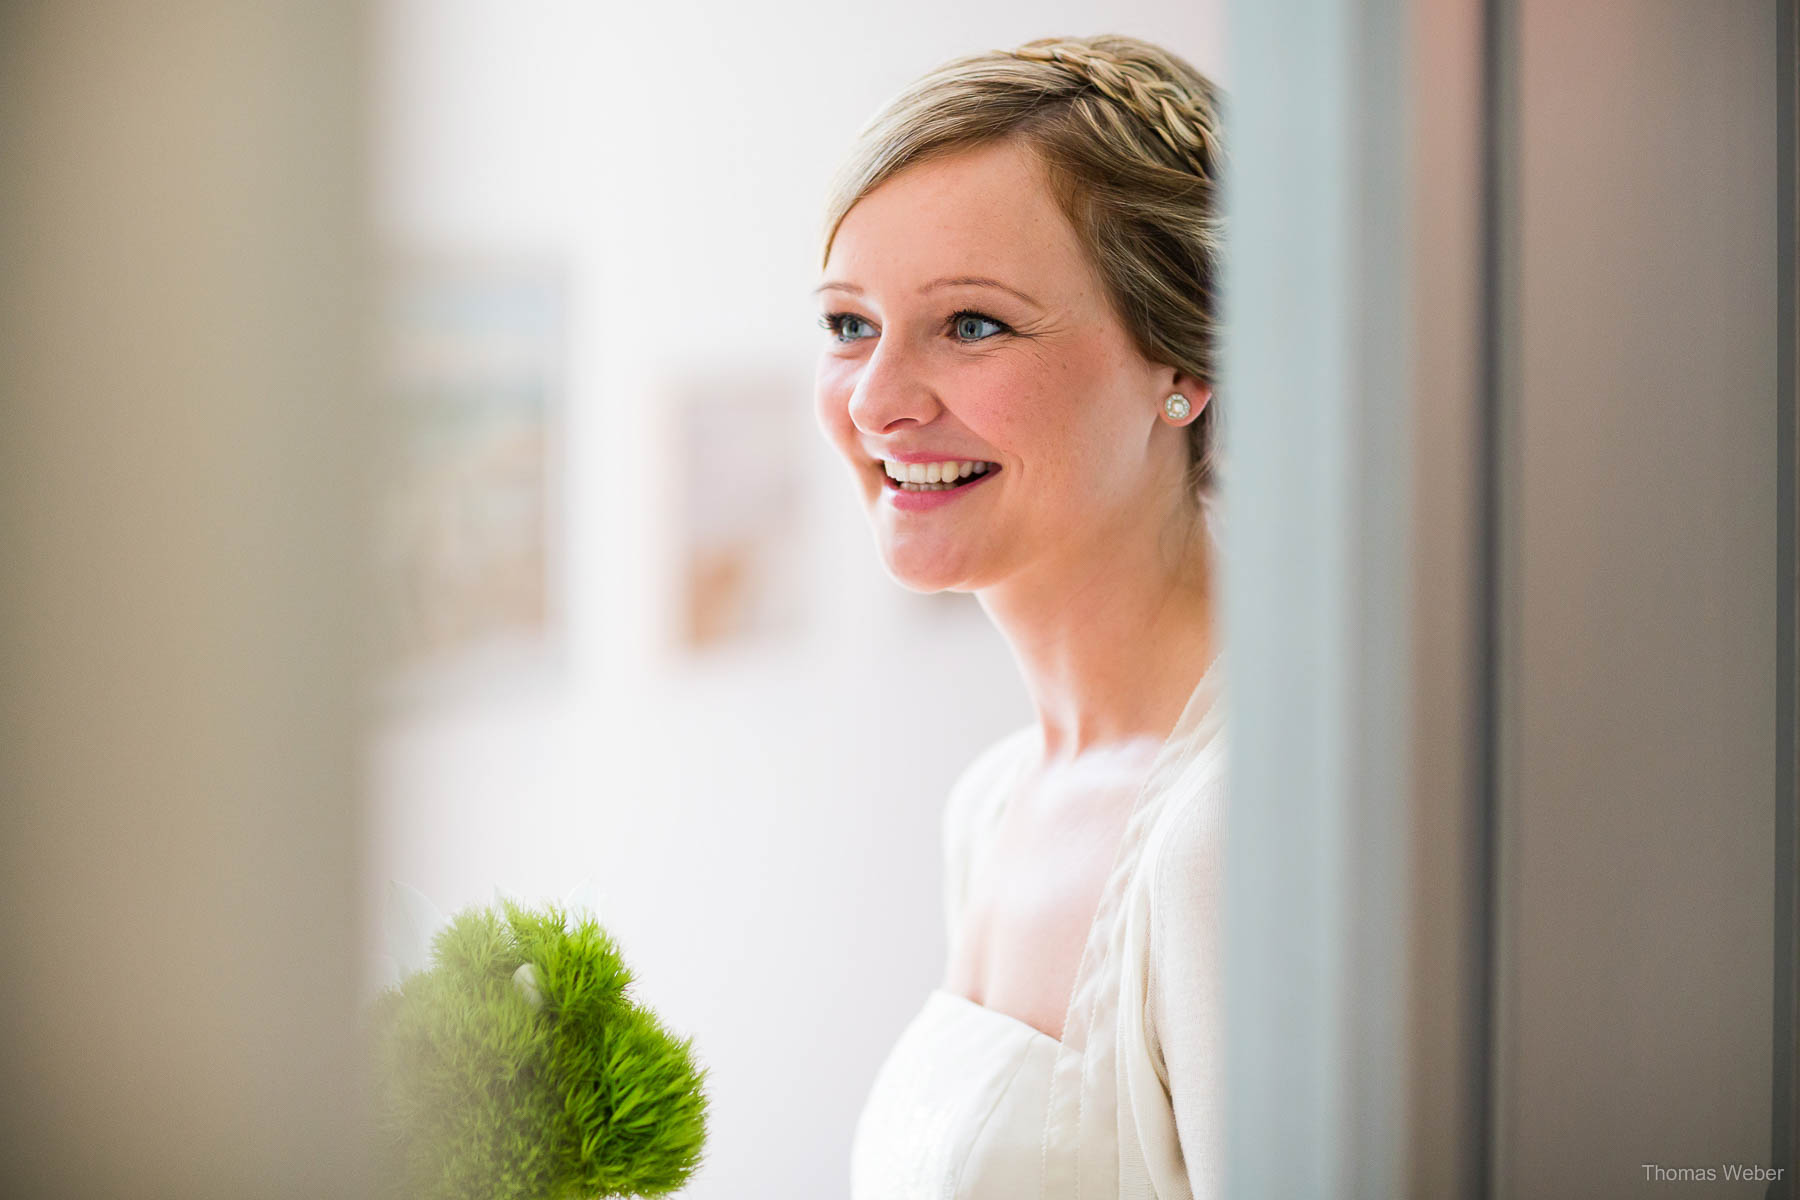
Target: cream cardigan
(1133,1107)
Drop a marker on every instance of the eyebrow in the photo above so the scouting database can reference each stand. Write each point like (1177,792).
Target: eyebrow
(835,285)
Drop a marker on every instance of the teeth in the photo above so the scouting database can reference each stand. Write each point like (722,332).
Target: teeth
(933,477)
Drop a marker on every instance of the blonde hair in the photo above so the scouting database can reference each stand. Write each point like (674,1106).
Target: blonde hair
(1130,134)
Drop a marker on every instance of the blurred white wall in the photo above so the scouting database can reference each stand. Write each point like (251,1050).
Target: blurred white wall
(761,821)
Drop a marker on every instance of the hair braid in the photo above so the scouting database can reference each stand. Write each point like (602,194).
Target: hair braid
(1187,124)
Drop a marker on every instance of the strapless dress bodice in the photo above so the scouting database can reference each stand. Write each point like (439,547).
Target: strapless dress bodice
(957,1109)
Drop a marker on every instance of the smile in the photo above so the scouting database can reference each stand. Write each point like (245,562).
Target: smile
(934,477)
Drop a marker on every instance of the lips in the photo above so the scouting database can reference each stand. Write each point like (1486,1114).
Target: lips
(909,497)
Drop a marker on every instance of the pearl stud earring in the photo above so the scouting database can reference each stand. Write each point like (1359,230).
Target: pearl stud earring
(1176,407)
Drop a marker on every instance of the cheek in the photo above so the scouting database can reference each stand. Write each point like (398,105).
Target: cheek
(833,383)
(1065,420)
(1034,413)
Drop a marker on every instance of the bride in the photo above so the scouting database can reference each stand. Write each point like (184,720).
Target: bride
(1019,299)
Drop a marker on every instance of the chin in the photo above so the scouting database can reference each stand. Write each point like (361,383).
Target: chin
(924,587)
(924,572)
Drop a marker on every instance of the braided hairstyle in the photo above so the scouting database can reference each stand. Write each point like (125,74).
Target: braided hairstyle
(1131,136)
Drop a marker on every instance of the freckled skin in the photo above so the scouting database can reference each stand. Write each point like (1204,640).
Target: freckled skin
(1064,403)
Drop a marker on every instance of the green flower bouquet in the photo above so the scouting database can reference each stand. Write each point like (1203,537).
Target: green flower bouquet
(516,1067)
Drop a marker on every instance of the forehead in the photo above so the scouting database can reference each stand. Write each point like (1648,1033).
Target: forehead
(988,211)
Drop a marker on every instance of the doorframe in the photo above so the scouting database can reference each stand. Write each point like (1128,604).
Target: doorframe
(1785,1121)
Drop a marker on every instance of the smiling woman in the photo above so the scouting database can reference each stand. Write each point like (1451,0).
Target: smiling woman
(1019,303)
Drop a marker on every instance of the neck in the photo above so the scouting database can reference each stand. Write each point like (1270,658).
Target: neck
(1112,638)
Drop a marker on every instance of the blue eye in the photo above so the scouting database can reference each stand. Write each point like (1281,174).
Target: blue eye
(973,327)
(847,327)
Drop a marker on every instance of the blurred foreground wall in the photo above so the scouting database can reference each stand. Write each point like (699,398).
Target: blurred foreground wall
(1636,882)
(180,490)
(1510,892)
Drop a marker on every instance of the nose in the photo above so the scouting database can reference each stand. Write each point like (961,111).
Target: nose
(892,392)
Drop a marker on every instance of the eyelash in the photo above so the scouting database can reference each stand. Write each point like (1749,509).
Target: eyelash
(833,323)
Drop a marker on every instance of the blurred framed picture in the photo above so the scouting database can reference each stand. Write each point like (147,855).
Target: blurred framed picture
(474,361)
(741,551)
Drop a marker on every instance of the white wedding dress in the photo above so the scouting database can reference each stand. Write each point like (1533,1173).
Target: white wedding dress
(958,1107)
(972,1104)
